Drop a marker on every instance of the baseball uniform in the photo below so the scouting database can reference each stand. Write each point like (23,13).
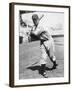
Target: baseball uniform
(46,44)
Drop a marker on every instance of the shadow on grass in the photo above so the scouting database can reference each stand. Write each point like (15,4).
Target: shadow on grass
(33,68)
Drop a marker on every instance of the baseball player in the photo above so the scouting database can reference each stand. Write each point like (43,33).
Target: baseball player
(46,44)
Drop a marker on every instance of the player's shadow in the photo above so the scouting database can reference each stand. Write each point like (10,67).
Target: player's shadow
(33,68)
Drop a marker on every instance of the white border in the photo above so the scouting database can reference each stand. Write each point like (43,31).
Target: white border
(16,44)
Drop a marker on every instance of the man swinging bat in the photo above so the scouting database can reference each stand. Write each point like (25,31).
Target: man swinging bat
(46,44)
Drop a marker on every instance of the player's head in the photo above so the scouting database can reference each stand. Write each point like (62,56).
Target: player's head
(35,19)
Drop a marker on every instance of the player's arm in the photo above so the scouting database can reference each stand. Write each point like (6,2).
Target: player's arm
(35,32)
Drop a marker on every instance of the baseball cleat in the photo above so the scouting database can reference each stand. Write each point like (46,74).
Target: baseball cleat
(54,66)
(45,75)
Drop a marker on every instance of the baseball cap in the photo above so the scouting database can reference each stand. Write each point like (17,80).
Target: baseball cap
(35,16)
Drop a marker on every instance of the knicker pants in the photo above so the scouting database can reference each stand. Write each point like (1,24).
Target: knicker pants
(47,46)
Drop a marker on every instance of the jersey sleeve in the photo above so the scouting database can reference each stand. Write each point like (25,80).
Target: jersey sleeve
(38,31)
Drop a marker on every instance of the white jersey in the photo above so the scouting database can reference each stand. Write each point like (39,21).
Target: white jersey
(41,32)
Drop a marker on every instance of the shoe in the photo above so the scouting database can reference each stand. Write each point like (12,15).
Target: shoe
(42,71)
(45,75)
(55,65)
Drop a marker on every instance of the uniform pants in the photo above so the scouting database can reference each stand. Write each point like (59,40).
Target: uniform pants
(47,49)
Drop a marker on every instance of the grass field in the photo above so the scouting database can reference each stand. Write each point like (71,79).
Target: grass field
(29,57)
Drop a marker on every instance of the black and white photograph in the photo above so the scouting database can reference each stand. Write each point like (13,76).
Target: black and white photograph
(41,49)
(41,44)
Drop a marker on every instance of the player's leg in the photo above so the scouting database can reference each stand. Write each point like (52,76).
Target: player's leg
(53,59)
(43,61)
(50,49)
(51,54)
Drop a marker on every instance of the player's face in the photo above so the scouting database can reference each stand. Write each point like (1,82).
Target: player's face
(35,21)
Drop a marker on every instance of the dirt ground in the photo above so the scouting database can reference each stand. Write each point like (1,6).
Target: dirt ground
(29,57)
